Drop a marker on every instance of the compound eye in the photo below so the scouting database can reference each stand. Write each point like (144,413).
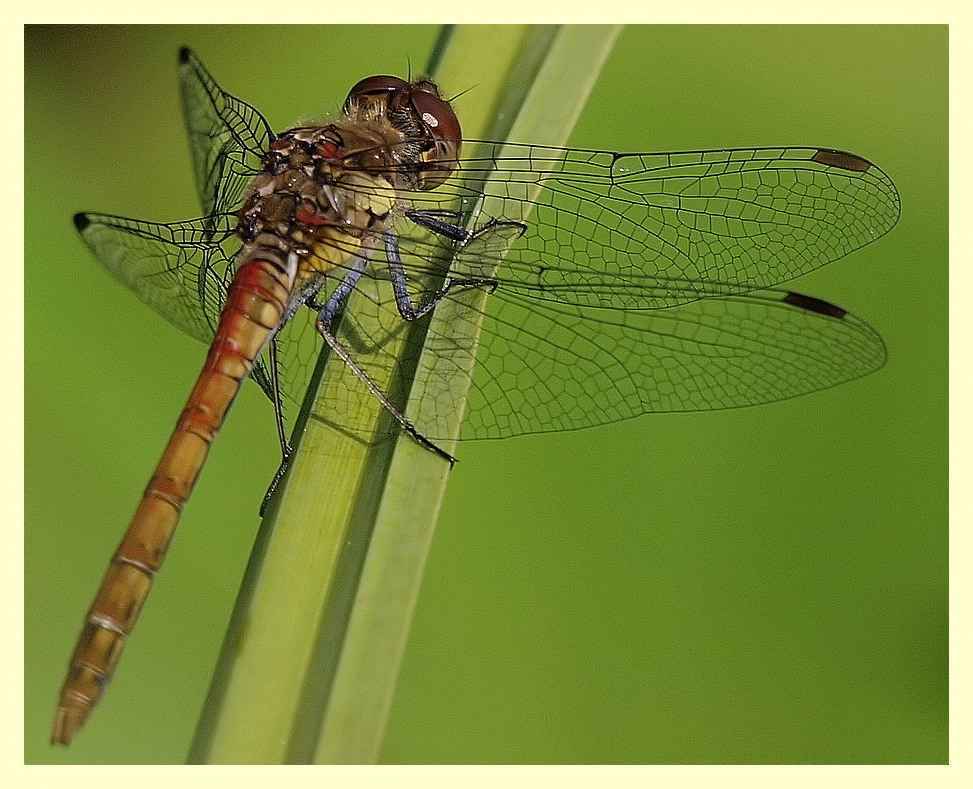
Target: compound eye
(375,86)
(437,116)
(442,126)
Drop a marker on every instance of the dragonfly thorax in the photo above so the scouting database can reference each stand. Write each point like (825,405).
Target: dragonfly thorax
(324,189)
(320,196)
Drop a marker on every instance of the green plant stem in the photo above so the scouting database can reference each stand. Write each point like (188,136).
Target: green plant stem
(308,668)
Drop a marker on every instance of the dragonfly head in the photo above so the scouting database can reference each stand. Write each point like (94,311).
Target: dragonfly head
(426,121)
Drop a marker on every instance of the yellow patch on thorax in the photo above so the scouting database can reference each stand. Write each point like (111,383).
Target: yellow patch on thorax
(364,203)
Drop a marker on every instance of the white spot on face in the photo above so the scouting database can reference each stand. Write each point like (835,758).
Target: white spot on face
(429,120)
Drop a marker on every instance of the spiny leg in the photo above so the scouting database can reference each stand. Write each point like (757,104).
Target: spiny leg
(285,447)
(400,284)
(324,329)
(432,219)
(505,231)
(305,296)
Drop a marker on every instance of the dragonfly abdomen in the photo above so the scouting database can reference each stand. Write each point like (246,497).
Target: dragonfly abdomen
(256,302)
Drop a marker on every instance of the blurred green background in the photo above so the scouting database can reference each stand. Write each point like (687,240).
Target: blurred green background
(766,585)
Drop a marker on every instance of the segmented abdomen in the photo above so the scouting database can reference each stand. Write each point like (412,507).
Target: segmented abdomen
(256,301)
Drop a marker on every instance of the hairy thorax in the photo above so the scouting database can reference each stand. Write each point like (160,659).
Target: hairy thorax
(323,191)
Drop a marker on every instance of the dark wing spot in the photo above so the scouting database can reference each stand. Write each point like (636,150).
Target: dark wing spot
(846,161)
(811,304)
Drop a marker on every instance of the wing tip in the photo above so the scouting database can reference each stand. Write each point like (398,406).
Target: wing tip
(81,222)
(185,55)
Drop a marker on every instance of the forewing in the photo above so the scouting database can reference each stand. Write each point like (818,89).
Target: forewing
(639,231)
(226,135)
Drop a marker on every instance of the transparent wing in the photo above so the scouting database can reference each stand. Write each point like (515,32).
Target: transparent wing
(227,137)
(557,367)
(635,231)
(182,270)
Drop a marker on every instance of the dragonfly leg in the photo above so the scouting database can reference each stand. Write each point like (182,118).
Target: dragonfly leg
(433,220)
(275,482)
(327,313)
(502,230)
(285,447)
(400,284)
(324,329)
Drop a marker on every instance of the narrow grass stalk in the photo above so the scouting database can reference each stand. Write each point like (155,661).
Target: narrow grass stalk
(309,664)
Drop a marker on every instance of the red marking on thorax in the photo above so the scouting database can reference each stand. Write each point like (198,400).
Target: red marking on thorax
(330,150)
(307,214)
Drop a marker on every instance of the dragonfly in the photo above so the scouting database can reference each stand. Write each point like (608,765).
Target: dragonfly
(638,283)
